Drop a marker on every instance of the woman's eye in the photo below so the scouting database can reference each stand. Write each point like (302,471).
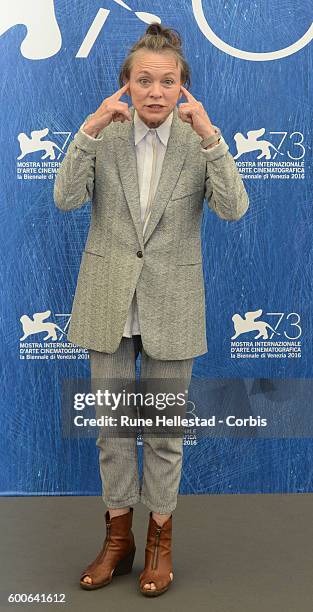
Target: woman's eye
(167,81)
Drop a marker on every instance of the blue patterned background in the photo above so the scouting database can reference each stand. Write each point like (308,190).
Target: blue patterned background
(264,261)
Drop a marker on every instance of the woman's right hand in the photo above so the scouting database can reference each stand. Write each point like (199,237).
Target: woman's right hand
(111,109)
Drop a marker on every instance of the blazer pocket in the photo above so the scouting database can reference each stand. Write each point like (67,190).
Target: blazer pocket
(184,191)
(189,255)
(196,262)
(89,252)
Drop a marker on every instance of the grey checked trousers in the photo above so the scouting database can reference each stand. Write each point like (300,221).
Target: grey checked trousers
(162,456)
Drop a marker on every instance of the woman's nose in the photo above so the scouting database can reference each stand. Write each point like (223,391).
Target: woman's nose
(155,90)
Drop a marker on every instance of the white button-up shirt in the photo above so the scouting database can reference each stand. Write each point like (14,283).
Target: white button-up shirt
(144,154)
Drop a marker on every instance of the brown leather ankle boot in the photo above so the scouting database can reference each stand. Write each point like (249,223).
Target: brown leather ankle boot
(158,558)
(117,554)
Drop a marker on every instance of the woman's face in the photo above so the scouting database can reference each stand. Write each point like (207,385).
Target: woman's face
(154,85)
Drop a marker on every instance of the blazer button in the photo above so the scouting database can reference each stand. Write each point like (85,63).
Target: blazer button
(139,254)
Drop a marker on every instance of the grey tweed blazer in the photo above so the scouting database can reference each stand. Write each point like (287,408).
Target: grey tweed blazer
(165,268)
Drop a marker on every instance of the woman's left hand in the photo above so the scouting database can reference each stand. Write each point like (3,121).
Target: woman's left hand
(193,112)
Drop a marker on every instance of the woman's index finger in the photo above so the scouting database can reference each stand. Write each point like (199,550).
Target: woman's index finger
(117,95)
(187,94)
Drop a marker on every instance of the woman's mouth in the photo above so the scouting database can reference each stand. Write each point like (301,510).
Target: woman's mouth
(155,106)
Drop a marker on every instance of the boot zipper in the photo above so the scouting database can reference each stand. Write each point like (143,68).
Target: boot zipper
(156,548)
(108,525)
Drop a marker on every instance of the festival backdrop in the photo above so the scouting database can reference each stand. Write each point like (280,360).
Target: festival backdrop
(251,65)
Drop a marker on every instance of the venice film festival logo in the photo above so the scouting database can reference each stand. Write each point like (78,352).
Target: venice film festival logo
(39,17)
(49,154)
(259,338)
(44,339)
(265,163)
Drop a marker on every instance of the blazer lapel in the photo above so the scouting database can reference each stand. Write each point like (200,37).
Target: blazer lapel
(174,158)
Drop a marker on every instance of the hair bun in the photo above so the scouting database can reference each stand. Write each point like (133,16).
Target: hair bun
(157,39)
(171,35)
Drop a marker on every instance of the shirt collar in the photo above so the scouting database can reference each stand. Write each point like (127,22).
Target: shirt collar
(141,128)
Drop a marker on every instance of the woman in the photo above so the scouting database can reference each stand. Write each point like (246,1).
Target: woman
(147,170)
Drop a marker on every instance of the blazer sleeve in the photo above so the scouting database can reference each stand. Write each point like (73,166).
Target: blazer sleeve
(225,192)
(74,181)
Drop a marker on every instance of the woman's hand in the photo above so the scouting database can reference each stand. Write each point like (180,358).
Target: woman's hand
(111,109)
(193,112)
